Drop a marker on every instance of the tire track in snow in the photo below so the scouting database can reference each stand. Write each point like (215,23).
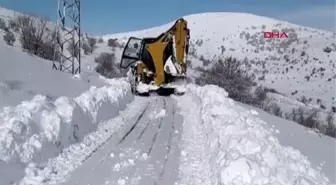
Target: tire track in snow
(157,131)
(143,111)
(100,162)
(129,174)
(134,125)
(169,144)
(162,163)
(104,142)
(130,162)
(133,139)
(170,166)
(147,125)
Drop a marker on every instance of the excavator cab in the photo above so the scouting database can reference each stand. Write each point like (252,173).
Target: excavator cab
(148,58)
(132,52)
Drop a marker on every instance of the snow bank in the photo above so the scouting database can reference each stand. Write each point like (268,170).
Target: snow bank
(37,130)
(238,148)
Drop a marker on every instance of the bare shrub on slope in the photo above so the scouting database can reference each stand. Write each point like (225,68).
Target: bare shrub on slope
(113,43)
(3,25)
(35,37)
(274,109)
(331,128)
(305,117)
(230,75)
(13,25)
(92,42)
(106,65)
(260,95)
(9,38)
(86,48)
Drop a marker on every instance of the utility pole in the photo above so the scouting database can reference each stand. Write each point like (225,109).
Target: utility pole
(67,40)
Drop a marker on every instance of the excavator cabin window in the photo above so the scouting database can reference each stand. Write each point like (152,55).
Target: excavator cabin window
(132,52)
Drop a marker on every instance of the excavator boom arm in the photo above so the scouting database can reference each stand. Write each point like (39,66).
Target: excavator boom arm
(180,35)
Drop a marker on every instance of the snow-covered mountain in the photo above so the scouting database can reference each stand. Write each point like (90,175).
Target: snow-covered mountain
(61,129)
(302,65)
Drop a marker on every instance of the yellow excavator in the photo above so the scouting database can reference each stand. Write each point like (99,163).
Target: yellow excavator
(158,64)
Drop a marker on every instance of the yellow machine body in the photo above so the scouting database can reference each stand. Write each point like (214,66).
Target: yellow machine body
(151,54)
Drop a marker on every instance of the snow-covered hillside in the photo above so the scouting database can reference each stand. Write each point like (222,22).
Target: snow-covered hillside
(23,75)
(297,66)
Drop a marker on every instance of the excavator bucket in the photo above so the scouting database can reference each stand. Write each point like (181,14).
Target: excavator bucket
(176,85)
(165,91)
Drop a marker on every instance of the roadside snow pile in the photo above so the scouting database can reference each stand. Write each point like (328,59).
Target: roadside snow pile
(37,130)
(238,148)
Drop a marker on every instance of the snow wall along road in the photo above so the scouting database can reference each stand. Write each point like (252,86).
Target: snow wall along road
(37,130)
(224,143)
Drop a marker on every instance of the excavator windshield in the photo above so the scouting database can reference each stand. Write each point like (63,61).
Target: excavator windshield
(132,52)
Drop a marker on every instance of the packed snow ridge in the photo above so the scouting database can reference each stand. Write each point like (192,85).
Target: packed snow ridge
(224,143)
(37,130)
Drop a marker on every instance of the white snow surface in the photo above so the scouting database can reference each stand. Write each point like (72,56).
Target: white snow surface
(143,88)
(37,130)
(224,143)
(23,76)
(307,141)
(56,127)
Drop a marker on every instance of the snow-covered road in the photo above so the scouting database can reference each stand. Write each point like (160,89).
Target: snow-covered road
(201,138)
(144,151)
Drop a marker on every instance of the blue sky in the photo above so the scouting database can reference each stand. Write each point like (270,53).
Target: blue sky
(111,16)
